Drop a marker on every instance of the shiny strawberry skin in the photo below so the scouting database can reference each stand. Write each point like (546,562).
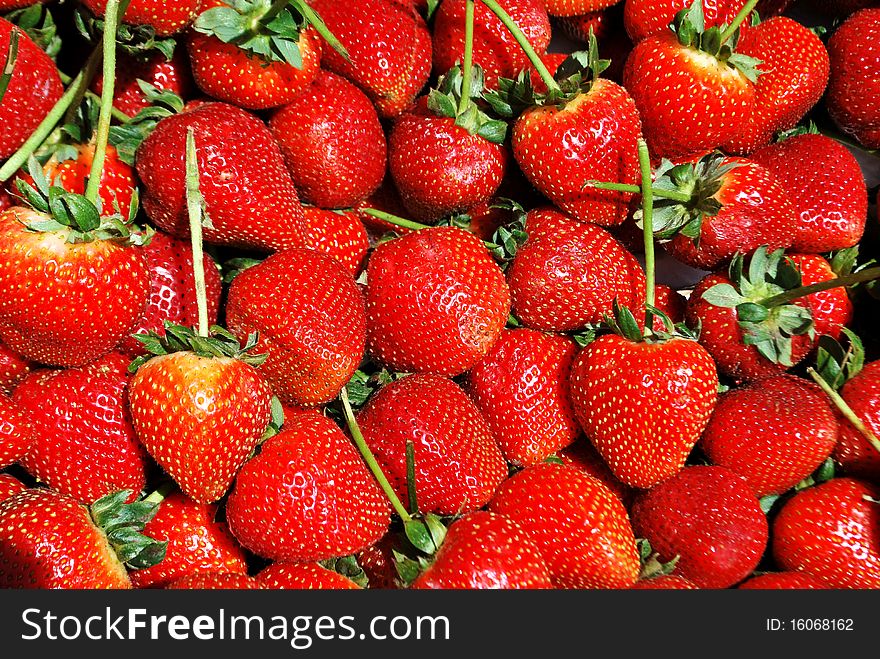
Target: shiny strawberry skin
(458,464)
(199,418)
(33,90)
(164,17)
(48,540)
(436,301)
(101,286)
(10,486)
(584,456)
(214,581)
(339,234)
(302,576)
(665,582)
(485,550)
(593,137)
(825,183)
(832,531)
(783,581)
(689,101)
(645,18)
(643,405)
(196,543)
(16,433)
(853,452)
(332,142)
(378,563)
(248,192)
(831,309)
(580,527)
(568,274)
(272,509)
(708,517)
(310,317)
(521,387)
(773,433)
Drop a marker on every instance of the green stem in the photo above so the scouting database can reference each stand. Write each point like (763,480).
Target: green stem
(274,10)
(370,459)
(673,195)
(845,409)
(737,21)
(517,34)
(111,22)
(801,291)
(161,492)
(395,220)
(467,66)
(9,65)
(119,115)
(648,232)
(194,207)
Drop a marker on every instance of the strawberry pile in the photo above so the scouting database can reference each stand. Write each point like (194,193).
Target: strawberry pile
(394,294)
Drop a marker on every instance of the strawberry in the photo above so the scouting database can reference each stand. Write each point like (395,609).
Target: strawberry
(831,310)
(309,315)
(692,90)
(608,26)
(252,53)
(196,543)
(794,74)
(458,464)
(207,391)
(583,455)
(48,540)
(249,195)
(17,435)
(272,509)
(299,576)
(214,581)
(579,526)
(521,387)
(853,98)
(7,5)
(567,274)
(664,582)
(33,89)
(485,550)
(670,302)
(576,7)
(389,49)
(379,564)
(783,581)
(830,532)
(825,183)
(853,451)
(767,8)
(645,18)
(773,433)
(385,199)
(332,142)
(435,300)
(10,486)
(709,518)
(164,17)
(339,234)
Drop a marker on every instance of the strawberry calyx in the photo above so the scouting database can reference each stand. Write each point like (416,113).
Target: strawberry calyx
(134,40)
(447,100)
(623,322)
(177,338)
(36,21)
(127,137)
(122,523)
(651,565)
(348,567)
(837,364)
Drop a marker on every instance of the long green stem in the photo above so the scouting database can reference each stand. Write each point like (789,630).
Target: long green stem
(9,65)
(370,459)
(673,195)
(648,231)
(801,291)
(468,64)
(160,493)
(195,207)
(394,219)
(517,34)
(737,21)
(119,115)
(845,409)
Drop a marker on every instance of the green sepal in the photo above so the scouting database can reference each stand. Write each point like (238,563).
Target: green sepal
(623,323)
(445,101)
(349,567)
(177,338)
(36,21)
(409,569)
(767,502)
(127,137)
(586,335)
(431,8)
(838,365)
(512,235)
(123,524)
(276,419)
(651,565)
(513,96)
(810,128)
(420,536)
(135,40)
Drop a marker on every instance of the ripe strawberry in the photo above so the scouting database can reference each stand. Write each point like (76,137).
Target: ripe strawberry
(773,433)
(644,18)
(10,486)
(830,531)
(485,550)
(165,18)
(826,186)
(521,387)
(386,199)
(339,234)
(853,451)
(608,27)
(580,527)
(6,200)
(206,391)
(272,509)
(436,301)
(7,5)
(299,576)
(853,98)
(567,274)
(332,142)
(13,369)
(794,66)
(783,581)
(34,87)
(389,48)
(664,582)
(48,540)
(196,543)
(214,581)
(309,315)
(17,434)
(710,519)
(249,195)
(832,309)
(379,564)
(583,455)
(767,8)
(458,464)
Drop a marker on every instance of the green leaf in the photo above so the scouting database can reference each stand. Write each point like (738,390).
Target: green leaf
(749,312)
(723,295)
(494,131)
(441,104)
(748,66)
(417,533)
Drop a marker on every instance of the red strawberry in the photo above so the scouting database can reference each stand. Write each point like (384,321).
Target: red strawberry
(458,465)
(196,543)
(339,234)
(299,576)
(853,451)
(645,18)
(831,309)
(670,302)
(249,195)
(378,563)
(309,314)
(307,496)
(567,274)
(580,527)
(389,48)
(783,581)
(853,97)
(521,387)
(332,142)
(34,87)
(6,5)
(608,26)
(794,72)
(164,17)
(214,581)
(773,433)
(485,550)
(386,199)
(664,582)
(766,8)
(583,455)
(6,200)
(436,301)
(576,7)
(710,519)
(825,183)
(13,368)
(831,532)
(16,432)
(10,486)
